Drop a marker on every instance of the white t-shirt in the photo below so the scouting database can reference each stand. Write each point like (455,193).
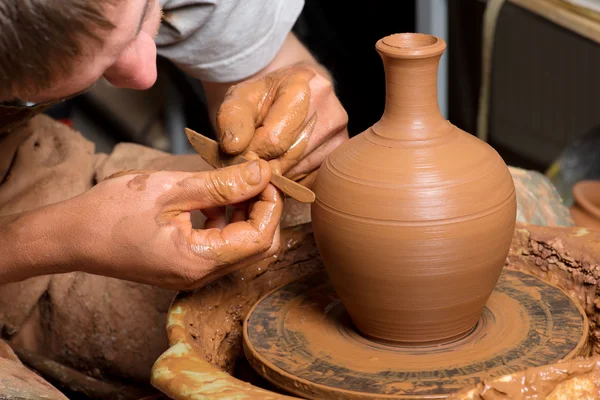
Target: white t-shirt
(224,40)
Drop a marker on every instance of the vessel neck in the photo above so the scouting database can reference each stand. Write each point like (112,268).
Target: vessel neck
(411,106)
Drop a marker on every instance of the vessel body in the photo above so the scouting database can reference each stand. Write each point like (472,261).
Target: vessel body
(413,217)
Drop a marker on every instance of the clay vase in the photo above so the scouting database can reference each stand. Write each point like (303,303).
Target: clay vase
(413,217)
(586,208)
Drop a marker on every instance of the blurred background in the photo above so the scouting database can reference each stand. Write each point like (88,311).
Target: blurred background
(520,74)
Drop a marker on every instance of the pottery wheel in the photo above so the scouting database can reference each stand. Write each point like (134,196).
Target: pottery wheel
(300,338)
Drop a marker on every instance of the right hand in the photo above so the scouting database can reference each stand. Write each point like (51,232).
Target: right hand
(136,225)
(291,117)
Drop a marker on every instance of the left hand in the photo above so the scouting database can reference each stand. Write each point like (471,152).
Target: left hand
(290,117)
(142,230)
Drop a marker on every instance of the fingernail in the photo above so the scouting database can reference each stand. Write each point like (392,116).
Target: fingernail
(251,174)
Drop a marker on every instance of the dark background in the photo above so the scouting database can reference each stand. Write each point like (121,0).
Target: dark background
(342,36)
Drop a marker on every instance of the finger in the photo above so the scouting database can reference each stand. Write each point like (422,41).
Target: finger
(331,117)
(240,240)
(275,167)
(249,206)
(219,187)
(309,180)
(227,269)
(296,150)
(240,114)
(312,161)
(285,118)
(250,155)
(216,218)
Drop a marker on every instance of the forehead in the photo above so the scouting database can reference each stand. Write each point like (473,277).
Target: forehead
(127,17)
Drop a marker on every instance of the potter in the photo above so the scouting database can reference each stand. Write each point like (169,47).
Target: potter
(413,217)
(87,238)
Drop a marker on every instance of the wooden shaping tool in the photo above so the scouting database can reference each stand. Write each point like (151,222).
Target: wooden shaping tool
(210,152)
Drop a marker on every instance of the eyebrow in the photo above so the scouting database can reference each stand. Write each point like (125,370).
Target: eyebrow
(143,19)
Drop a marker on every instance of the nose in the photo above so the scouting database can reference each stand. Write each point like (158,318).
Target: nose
(136,66)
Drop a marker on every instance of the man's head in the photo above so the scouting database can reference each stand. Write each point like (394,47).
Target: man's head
(51,49)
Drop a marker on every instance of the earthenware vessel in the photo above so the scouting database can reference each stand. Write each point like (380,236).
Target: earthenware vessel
(413,217)
(586,207)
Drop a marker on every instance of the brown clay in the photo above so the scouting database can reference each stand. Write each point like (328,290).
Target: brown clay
(413,217)
(300,339)
(568,258)
(266,125)
(575,379)
(209,324)
(215,324)
(586,209)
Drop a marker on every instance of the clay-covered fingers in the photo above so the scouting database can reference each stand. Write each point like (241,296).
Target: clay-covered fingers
(298,149)
(265,115)
(286,117)
(243,239)
(240,113)
(308,180)
(328,130)
(218,188)
(227,269)
(311,162)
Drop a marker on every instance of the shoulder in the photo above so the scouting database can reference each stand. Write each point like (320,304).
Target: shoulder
(225,40)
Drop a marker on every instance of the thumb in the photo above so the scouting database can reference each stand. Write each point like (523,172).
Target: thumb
(220,187)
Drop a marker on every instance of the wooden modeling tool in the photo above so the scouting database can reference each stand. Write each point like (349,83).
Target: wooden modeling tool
(210,152)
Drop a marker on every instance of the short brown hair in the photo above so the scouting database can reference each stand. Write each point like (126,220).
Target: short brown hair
(40,38)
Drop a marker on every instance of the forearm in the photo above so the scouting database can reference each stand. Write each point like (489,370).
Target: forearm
(35,243)
(292,52)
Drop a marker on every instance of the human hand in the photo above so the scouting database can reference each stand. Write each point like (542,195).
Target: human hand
(136,224)
(290,116)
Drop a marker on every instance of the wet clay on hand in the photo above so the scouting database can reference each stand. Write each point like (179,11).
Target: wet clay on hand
(413,217)
(290,116)
(267,116)
(153,224)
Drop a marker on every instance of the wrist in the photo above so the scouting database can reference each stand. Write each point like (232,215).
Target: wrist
(35,243)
